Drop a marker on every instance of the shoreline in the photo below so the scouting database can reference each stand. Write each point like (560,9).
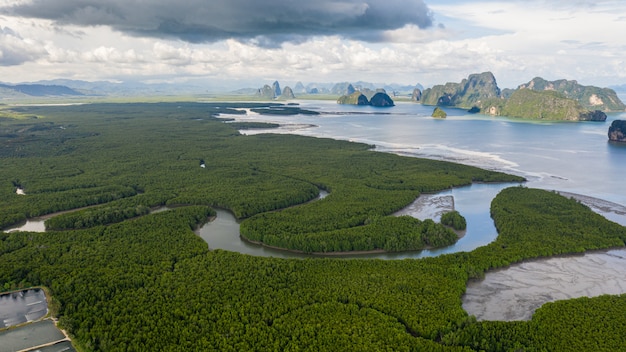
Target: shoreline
(337,254)
(314,254)
(513,293)
(602,205)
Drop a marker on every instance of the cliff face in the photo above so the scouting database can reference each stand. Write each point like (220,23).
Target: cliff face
(617,131)
(344,88)
(299,88)
(416,95)
(537,99)
(471,92)
(266,92)
(355,98)
(379,99)
(544,105)
(590,97)
(276,89)
(288,93)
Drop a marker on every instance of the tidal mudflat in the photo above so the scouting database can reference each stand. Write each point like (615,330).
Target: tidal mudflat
(429,206)
(516,292)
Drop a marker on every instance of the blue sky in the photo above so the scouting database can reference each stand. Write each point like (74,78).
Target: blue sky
(251,42)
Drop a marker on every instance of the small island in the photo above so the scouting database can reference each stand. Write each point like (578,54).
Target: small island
(617,131)
(439,113)
(356,98)
(379,99)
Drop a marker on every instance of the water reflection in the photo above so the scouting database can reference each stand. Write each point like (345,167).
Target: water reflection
(31,225)
(21,307)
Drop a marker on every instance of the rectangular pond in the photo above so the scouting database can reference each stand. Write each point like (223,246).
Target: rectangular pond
(22,307)
(30,336)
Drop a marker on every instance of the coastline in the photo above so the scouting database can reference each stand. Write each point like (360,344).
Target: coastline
(344,254)
(314,254)
(600,206)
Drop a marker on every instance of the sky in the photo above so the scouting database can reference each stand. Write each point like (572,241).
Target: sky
(248,43)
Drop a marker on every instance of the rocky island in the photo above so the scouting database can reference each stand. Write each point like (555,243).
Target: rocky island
(439,113)
(617,131)
(537,99)
(379,99)
(541,105)
(356,98)
(470,92)
(589,97)
(275,92)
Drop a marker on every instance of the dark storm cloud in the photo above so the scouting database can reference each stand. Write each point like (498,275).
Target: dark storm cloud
(264,23)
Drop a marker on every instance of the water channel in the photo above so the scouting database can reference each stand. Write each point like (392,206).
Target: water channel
(550,156)
(471,201)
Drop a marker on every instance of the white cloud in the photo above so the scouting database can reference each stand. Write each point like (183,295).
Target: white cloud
(536,35)
(15,50)
(516,40)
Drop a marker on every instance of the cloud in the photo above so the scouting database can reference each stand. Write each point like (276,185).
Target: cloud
(262,23)
(15,50)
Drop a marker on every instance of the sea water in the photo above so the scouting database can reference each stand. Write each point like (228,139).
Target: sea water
(574,157)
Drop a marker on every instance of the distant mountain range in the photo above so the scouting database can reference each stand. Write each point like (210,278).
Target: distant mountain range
(68,87)
(77,88)
(37,90)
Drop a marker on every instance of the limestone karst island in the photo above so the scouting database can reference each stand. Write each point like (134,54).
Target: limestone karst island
(537,99)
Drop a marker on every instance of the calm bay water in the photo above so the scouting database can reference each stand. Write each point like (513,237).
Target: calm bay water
(564,156)
(569,156)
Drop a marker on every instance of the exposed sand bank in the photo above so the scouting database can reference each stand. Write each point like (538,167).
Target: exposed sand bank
(516,292)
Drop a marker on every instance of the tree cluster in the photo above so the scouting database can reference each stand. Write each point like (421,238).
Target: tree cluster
(150,283)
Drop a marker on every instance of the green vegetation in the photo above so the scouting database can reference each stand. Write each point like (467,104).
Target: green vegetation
(439,113)
(544,105)
(387,233)
(535,223)
(470,92)
(128,158)
(538,99)
(252,125)
(454,219)
(381,100)
(590,97)
(377,98)
(356,98)
(149,282)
